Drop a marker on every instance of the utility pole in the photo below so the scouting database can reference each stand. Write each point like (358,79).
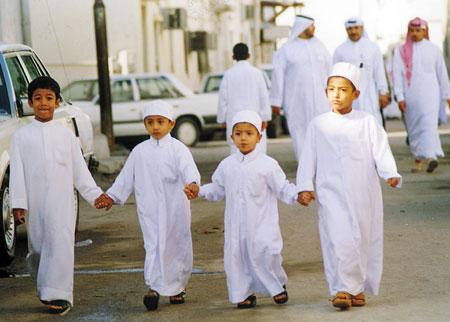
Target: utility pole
(104,84)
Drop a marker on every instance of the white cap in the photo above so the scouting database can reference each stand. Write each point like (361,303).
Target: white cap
(301,23)
(247,116)
(158,107)
(348,71)
(353,22)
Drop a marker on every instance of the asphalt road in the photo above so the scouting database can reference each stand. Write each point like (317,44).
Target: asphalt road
(109,280)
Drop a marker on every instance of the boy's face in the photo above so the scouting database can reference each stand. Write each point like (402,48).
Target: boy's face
(43,102)
(158,126)
(341,94)
(245,136)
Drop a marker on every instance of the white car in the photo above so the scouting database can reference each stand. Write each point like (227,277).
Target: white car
(195,115)
(19,65)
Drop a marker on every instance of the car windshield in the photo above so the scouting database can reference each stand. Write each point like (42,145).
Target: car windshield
(84,90)
(213,83)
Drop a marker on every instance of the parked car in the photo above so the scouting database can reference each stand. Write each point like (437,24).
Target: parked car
(195,115)
(277,126)
(19,65)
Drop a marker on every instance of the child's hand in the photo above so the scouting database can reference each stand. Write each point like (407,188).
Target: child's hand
(19,216)
(103,201)
(393,182)
(305,197)
(191,190)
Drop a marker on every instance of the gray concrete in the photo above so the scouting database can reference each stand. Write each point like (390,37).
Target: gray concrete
(415,285)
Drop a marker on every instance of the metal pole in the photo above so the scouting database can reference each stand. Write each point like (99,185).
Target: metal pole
(103,71)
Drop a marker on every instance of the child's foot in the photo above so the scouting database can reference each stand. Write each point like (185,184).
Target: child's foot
(418,166)
(432,165)
(177,299)
(359,300)
(60,307)
(342,300)
(282,297)
(151,300)
(248,303)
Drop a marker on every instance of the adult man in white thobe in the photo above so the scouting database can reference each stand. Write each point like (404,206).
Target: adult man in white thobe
(243,88)
(365,54)
(300,70)
(420,84)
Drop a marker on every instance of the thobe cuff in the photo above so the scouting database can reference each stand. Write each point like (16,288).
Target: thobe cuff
(276,101)
(305,187)
(400,97)
(19,203)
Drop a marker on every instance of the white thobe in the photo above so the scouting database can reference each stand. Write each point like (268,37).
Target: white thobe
(243,88)
(251,185)
(46,165)
(342,159)
(429,86)
(157,171)
(299,79)
(366,55)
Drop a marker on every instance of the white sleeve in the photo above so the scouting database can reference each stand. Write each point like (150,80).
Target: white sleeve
(277,86)
(123,186)
(214,191)
(264,108)
(442,76)
(397,75)
(277,182)
(188,168)
(82,178)
(306,171)
(380,73)
(17,184)
(223,100)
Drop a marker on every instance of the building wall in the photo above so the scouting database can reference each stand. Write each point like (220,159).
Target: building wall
(10,21)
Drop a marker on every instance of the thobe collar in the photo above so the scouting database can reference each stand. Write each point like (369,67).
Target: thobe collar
(242,62)
(246,157)
(161,142)
(349,114)
(43,124)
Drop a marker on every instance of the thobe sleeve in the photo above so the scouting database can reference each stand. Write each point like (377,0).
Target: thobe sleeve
(328,61)
(442,76)
(265,112)
(337,57)
(17,185)
(82,178)
(188,168)
(397,74)
(380,73)
(277,182)
(214,191)
(381,152)
(223,100)
(277,86)
(306,171)
(124,184)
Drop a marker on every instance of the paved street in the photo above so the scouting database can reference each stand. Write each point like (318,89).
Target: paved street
(109,280)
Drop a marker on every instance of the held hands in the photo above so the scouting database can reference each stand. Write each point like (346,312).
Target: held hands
(191,190)
(276,110)
(305,197)
(393,182)
(402,106)
(103,201)
(19,216)
(384,100)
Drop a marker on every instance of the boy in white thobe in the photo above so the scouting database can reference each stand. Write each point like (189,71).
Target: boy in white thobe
(157,171)
(243,87)
(46,165)
(345,152)
(251,182)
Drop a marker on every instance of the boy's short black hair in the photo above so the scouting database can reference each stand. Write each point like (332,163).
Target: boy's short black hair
(44,82)
(240,51)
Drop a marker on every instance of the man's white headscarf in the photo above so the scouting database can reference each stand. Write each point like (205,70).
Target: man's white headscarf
(348,71)
(301,23)
(158,107)
(247,116)
(355,22)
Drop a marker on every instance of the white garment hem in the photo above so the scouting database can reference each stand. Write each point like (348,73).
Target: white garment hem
(50,294)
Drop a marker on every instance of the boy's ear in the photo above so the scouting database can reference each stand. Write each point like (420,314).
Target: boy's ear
(58,101)
(172,123)
(30,103)
(357,92)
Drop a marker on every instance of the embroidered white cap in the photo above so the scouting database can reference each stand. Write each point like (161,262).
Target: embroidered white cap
(158,107)
(353,22)
(301,23)
(348,71)
(247,116)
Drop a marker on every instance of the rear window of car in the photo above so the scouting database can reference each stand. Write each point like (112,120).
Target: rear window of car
(213,84)
(81,90)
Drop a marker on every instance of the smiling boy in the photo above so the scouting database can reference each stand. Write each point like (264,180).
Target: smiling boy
(345,151)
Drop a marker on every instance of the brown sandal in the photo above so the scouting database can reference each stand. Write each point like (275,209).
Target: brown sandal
(342,300)
(177,299)
(359,299)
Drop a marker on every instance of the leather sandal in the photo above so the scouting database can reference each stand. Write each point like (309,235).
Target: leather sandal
(248,303)
(342,300)
(151,300)
(359,299)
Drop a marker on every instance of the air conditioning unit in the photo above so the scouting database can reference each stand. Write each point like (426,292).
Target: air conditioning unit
(202,40)
(249,12)
(174,18)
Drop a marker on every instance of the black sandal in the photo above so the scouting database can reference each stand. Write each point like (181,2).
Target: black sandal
(248,303)
(281,298)
(177,299)
(151,300)
(60,307)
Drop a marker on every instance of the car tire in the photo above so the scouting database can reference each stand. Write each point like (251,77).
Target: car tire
(7,227)
(187,131)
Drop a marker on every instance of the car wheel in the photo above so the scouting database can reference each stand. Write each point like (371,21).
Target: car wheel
(187,131)
(7,227)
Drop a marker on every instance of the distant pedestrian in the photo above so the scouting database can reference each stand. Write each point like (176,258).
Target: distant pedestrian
(243,87)
(420,85)
(157,171)
(46,165)
(250,182)
(365,54)
(344,154)
(300,70)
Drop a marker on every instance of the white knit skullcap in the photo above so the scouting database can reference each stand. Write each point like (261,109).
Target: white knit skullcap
(247,116)
(158,107)
(348,71)
(353,22)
